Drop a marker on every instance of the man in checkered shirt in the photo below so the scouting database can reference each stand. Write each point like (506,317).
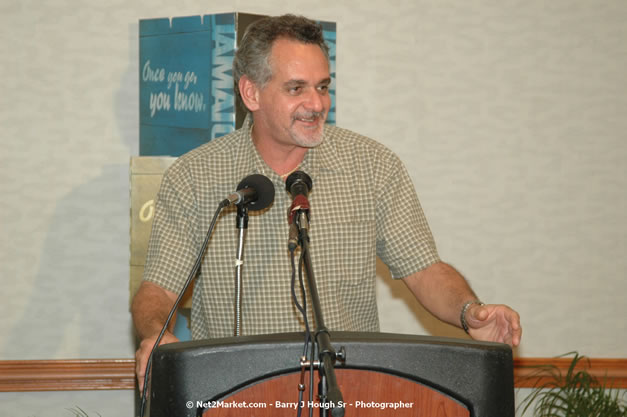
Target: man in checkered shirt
(363,205)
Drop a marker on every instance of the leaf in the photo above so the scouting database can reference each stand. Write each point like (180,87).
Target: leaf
(79,412)
(577,394)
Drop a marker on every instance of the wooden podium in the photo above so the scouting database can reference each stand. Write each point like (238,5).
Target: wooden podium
(383,375)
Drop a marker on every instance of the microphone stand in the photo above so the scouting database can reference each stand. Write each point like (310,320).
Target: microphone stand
(242,226)
(191,276)
(328,390)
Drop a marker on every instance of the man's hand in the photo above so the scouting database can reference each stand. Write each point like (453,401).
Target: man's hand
(150,309)
(494,323)
(142,354)
(442,291)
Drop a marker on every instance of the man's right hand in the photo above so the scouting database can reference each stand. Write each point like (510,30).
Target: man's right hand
(142,354)
(150,308)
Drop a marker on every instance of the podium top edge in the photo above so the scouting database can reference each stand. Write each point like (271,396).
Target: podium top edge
(336,338)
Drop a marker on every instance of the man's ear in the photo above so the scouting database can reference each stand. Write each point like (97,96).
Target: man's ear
(249,92)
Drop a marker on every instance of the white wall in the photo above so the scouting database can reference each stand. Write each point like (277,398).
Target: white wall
(509,115)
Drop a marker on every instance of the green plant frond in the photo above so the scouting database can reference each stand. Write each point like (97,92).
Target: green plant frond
(79,412)
(576,394)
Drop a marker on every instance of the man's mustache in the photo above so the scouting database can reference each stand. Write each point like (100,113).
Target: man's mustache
(312,115)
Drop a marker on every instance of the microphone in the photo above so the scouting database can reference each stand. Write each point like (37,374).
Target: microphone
(298,184)
(256,191)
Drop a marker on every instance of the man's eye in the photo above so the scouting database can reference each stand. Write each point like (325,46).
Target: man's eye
(323,88)
(295,90)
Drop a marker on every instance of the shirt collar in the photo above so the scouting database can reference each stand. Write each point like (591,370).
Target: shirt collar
(247,160)
(322,158)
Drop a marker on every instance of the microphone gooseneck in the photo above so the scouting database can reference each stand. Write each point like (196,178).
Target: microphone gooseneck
(298,184)
(255,192)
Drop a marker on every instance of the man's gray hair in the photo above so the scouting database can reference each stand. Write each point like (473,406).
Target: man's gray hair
(253,54)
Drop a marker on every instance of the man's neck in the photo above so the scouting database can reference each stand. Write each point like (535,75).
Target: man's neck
(283,159)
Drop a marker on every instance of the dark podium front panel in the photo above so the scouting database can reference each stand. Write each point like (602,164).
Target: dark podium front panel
(422,376)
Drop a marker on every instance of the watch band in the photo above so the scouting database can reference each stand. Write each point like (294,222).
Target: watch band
(462,317)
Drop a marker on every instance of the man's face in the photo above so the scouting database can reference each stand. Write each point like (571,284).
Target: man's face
(293,105)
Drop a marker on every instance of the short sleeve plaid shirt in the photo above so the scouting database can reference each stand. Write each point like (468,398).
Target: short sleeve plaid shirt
(363,205)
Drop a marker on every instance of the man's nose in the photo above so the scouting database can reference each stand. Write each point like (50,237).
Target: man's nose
(315,101)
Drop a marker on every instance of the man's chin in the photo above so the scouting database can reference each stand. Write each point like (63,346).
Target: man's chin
(310,139)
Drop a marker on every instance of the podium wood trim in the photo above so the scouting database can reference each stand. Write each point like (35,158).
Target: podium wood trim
(67,375)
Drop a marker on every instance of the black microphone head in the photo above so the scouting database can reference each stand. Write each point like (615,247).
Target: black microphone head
(263,187)
(296,180)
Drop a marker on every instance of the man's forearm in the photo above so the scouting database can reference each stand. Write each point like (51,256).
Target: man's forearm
(150,308)
(441,290)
